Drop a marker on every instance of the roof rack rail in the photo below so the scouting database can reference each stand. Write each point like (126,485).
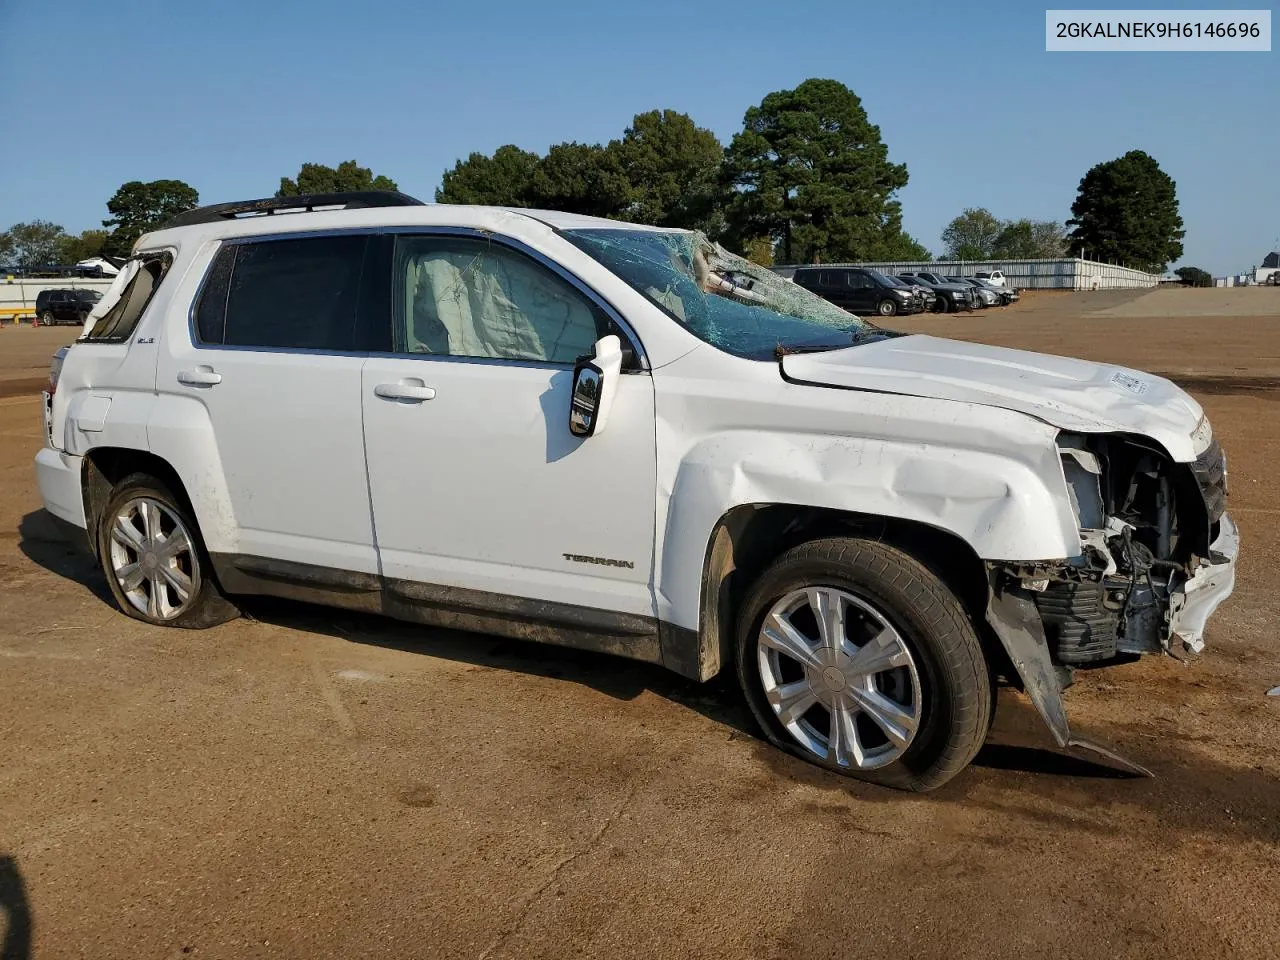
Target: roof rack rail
(237,209)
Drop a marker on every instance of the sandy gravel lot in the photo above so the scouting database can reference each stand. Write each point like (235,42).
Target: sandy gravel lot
(304,783)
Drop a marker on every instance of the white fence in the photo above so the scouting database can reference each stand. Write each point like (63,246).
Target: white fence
(1065,274)
(18,295)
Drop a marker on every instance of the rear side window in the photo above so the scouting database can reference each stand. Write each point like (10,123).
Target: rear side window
(119,322)
(288,294)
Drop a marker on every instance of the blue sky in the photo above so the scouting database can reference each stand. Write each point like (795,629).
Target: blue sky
(231,96)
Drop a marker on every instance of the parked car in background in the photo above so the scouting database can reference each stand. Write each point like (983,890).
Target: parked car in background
(951,296)
(987,297)
(65,306)
(626,439)
(1007,293)
(924,293)
(860,290)
(993,277)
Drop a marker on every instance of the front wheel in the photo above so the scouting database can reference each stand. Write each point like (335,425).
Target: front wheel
(886,308)
(854,656)
(154,559)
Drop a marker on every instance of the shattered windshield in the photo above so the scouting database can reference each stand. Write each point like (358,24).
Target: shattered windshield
(736,305)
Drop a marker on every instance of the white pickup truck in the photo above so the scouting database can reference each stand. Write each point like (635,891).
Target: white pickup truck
(627,439)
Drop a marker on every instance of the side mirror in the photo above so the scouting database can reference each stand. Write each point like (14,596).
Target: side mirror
(595,380)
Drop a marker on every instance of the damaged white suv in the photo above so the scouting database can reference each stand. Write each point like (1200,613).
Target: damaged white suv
(627,439)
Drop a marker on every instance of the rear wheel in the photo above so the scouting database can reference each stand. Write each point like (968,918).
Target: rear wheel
(854,656)
(154,559)
(45,319)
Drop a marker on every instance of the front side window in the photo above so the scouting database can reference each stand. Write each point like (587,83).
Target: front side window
(464,297)
(727,301)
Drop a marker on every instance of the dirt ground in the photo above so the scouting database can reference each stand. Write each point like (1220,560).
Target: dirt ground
(303,783)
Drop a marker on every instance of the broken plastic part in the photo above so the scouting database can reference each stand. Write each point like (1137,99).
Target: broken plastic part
(1195,603)
(1015,620)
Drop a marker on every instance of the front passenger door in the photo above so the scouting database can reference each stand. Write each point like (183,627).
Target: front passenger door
(476,481)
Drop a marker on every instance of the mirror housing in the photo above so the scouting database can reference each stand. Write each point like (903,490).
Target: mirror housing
(595,381)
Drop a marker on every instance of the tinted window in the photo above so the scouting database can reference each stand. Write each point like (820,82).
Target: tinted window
(119,322)
(211,311)
(299,294)
(460,297)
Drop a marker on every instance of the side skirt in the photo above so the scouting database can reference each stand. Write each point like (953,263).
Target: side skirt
(543,621)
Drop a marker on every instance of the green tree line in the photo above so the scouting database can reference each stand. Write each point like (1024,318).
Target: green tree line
(808,179)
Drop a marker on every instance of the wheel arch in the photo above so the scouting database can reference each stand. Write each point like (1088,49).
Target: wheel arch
(748,537)
(105,467)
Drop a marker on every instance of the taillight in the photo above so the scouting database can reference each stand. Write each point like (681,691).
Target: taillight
(55,369)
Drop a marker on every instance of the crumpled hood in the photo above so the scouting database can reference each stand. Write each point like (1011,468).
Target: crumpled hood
(1073,395)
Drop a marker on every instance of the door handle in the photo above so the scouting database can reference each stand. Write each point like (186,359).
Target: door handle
(410,390)
(201,376)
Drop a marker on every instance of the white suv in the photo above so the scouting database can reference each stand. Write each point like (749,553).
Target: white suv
(627,439)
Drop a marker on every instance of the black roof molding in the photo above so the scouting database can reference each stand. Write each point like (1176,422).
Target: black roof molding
(240,209)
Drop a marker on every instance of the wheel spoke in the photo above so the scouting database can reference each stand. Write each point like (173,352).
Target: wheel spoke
(780,634)
(897,723)
(126,534)
(150,519)
(130,576)
(174,545)
(155,584)
(791,700)
(843,746)
(884,651)
(180,582)
(828,610)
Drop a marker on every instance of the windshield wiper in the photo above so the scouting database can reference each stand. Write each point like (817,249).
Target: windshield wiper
(871,334)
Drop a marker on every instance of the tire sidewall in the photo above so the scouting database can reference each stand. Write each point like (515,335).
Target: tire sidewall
(892,308)
(914,769)
(209,606)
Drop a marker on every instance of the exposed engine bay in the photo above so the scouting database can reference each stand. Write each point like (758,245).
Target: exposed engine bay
(1148,525)
(1158,557)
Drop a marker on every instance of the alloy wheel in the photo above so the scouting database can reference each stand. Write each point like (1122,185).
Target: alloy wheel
(153,559)
(839,677)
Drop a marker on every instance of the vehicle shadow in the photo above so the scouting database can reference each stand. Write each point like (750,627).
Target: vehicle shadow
(1015,745)
(43,543)
(16,910)
(718,699)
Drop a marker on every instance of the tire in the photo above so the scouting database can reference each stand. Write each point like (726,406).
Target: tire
(932,690)
(46,319)
(157,596)
(886,308)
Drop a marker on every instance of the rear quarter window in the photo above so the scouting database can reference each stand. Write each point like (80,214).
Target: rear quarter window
(118,323)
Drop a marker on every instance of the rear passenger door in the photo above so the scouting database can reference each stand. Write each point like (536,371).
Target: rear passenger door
(272,365)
